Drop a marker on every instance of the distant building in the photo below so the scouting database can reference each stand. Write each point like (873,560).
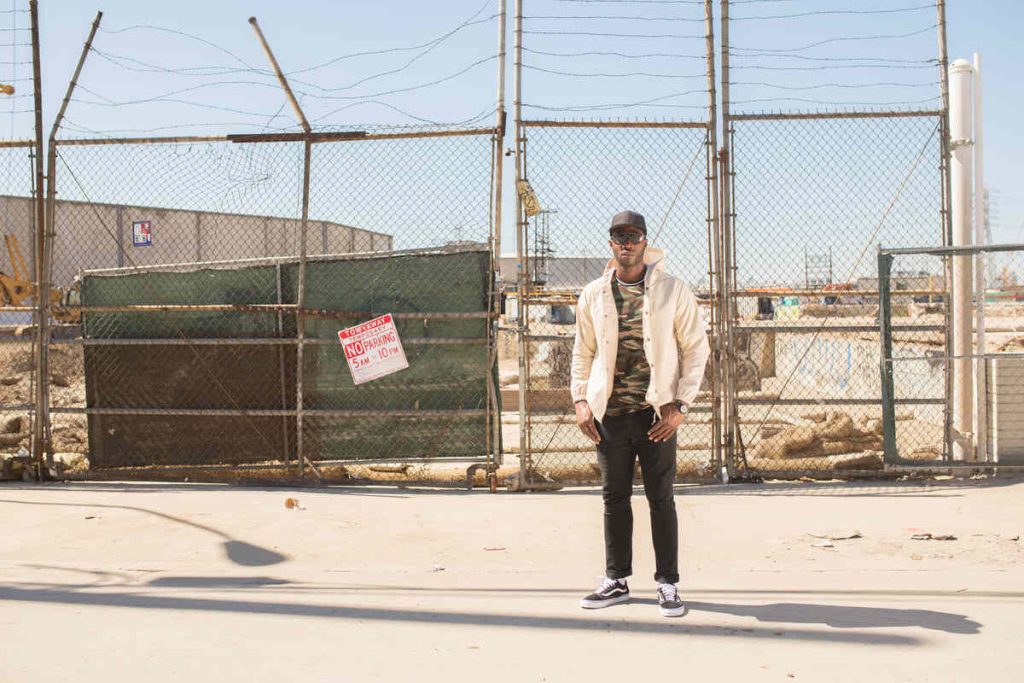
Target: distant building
(560,272)
(95,236)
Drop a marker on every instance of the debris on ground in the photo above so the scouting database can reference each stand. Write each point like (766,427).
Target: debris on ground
(838,536)
(933,537)
(293,504)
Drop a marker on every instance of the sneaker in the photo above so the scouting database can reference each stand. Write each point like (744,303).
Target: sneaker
(669,602)
(610,592)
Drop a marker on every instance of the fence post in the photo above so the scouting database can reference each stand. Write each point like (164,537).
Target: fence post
(300,296)
(889,450)
(40,428)
(714,228)
(947,217)
(521,262)
(48,234)
(494,282)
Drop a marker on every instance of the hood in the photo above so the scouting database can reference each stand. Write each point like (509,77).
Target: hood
(654,259)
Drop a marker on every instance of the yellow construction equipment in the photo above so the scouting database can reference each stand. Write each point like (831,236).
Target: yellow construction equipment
(18,286)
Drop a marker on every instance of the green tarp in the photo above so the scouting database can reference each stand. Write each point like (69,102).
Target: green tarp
(446,380)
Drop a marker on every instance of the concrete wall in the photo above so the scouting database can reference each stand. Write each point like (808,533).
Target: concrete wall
(90,236)
(16,219)
(844,366)
(1006,408)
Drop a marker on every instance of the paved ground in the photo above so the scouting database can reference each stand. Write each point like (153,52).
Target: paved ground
(117,582)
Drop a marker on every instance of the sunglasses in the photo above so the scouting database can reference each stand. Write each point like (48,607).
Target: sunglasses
(628,237)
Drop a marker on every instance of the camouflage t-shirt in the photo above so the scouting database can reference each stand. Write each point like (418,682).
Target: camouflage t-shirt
(632,373)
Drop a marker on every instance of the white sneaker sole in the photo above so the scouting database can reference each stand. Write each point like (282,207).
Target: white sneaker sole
(598,604)
(672,611)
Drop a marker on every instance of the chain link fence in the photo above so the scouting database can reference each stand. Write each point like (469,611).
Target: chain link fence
(979,370)
(17,299)
(576,171)
(198,284)
(812,197)
(189,347)
(585,171)
(852,157)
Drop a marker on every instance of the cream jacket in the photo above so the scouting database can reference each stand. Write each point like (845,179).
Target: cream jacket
(675,339)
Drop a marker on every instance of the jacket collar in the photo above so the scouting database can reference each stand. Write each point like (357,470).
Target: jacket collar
(654,259)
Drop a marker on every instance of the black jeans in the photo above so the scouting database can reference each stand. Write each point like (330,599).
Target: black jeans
(623,439)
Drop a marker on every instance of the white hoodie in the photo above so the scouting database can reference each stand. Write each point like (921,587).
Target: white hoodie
(675,340)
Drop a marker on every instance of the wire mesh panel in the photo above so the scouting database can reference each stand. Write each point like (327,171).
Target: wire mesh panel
(429,190)
(583,175)
(184,261)
(171,363)
(979,369)
(17,295)
(812,197)
(635,63)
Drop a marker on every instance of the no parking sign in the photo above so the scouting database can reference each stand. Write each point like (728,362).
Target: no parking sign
(373,349)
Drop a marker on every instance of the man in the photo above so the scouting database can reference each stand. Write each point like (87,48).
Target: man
(637,365)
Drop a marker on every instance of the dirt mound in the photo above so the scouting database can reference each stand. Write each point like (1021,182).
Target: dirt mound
(828,434)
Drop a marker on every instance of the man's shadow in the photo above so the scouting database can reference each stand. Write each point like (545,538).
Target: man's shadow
(842,616)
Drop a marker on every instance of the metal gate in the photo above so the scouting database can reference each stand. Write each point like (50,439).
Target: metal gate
(808,197)
(583,172)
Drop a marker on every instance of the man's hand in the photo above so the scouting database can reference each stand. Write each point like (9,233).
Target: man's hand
(585,420)
(665,428)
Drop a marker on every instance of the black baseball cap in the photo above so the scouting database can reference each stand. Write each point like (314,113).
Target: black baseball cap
(628,218)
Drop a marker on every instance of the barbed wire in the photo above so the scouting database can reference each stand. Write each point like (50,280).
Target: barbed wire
(613,17)
(760,67)
(612,75)
(837,104)
(818,86)
(810,58)
(634,2)
(184,34)
(651,55)
(839,39)
(857,69)
(625,105)
(836,12)
(305,90)
(600,34)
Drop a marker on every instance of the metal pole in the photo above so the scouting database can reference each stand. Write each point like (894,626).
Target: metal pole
(725,249)
(947,220)
(715,221)
(300,296)
(40,447)
(494,281)
(47,232)
(524,455)
(300,318)
(980,286)
(889,448)
(280,75)
(286,455)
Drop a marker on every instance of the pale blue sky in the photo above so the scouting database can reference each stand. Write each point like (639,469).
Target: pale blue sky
(311,32)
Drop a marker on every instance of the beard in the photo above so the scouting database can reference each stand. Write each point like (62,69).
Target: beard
(630,258)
